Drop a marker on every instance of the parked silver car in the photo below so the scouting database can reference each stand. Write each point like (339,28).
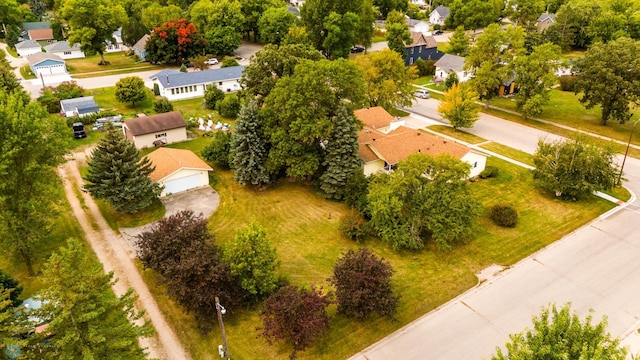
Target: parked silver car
(423,94)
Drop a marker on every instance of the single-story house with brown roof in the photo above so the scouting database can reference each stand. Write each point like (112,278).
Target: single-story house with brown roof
(42,36)
(383,147)
(155,130)
(178,170)
(46,64)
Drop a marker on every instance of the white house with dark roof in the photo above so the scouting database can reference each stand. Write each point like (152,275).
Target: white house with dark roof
(544,21)
(64,50)
(28,47)
(81,106)
(438,15)
(451,63)
(118,46)
(46,64)
(155,130)
(176,85)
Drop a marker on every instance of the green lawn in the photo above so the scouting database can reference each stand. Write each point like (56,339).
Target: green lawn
(106,98)
(26,73)
(509,152)
(304,228)
(117,61)
(423,80)
(116,220)
(377,39)
(457,134)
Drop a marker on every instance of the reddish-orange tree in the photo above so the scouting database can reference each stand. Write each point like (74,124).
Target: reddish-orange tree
(174,41)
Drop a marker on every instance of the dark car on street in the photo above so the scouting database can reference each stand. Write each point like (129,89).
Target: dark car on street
(357,49)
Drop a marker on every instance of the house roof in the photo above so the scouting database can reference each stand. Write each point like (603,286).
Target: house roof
(28,44)
(419,39)
(154,123)
(83,105)
(26,26)
(61,46)
(546,16)
(443,11)
(294,10)
(168,161)
(451,62)
(36,58)
(411,22)
(142,43)
(375,117)
(402,142)
(40,34)
(178,79)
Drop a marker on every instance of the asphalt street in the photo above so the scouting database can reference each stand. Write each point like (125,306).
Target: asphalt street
(595,268)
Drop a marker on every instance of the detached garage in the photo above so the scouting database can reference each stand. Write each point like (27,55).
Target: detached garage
(46,64)
(178,170)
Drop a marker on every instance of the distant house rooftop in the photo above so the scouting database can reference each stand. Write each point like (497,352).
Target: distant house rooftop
(83,105)
(26,26)
(451,62)
(61,46)
(155,123)
(40,34)
(170,79)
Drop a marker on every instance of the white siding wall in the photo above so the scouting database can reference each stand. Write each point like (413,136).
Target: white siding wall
(52,69)
(74,54)
(195,91)
(204,177)
(172,136)
(463,76)
(477,161)
(422,28)
(28,51)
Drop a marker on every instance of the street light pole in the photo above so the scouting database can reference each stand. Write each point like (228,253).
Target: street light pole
(221,310)
(627,151)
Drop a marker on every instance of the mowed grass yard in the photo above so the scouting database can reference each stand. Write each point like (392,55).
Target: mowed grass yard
(117,61)
(304,229)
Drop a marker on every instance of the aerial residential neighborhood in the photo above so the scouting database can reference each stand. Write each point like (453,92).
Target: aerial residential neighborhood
(319,179)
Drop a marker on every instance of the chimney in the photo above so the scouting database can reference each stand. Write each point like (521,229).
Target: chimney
(167,79)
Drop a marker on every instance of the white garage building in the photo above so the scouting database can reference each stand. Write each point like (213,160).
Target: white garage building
(46,64)
(178,170)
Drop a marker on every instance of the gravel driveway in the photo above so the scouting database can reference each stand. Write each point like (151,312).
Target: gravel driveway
(203,201)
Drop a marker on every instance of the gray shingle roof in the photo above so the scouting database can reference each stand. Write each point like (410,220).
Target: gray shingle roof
(28,44)
(142,43)
(451,62)
(61,46)
(84,105)
(443,11)
(178,79)
(26,26)
(154,123)
(546,16)
(40,57)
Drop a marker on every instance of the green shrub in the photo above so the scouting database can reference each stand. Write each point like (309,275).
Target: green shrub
(489,172)
(504,215)
(229,62)
(89,119)
(162,105)
(353,226)
(425,67)
(229,106)
(211,96)
(156,89)
(568,82)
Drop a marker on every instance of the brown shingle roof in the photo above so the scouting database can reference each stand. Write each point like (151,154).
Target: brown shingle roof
(375,117)
(40,34)
(155,123)
(402,142)
(418,39)
(168,161)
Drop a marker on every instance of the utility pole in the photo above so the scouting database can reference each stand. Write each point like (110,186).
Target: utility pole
(221,310)
(627,152)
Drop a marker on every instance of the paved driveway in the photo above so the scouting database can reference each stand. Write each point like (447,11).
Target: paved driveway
(596,267)
(203,201)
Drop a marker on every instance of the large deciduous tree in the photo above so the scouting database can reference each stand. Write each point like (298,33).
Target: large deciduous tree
(363,284)
(219,149)
(274,24)
(131,89)
(425,195)
(388,81)
(296,315)
(252,10)
(572,169)
(398,34)
(525,12)
(561,334)
(473,14)
(249,148)
(612,85)
(174,41)
(253,260)
(459,106)
(155,15)
(88,320)
(535,74)
(118,175)
(272,63)
(92,22)
(302,107)
(32,144)
(182,250)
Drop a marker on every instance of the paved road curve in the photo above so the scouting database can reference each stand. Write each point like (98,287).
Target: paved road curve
(596,267)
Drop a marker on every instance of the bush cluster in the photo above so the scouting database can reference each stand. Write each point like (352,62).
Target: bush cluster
(89,119)
(504,215)
(353,226)
(568,82)
(489,172)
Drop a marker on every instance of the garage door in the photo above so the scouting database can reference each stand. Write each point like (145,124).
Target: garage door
(182,184)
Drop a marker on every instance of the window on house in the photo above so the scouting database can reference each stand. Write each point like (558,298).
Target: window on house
(475,164)
(161,135)
(67,52)
(220,83)
(411,51)
(173,91)
(181,90)
(420,50)
(410,61)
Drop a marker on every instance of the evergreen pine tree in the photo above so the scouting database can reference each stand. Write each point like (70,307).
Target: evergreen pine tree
(88,320)
(120,176)
(341,155)
(248,148)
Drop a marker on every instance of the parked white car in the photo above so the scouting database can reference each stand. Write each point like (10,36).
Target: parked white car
(423,94)
(212,61)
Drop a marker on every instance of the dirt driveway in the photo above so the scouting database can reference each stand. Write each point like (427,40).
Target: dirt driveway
(203,201)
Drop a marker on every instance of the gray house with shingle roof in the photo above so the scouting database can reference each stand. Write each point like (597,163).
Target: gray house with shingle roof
(28,47)
(439,15)
(155,130)
(81,106)
(451,63)
(176,85)
(64,50)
